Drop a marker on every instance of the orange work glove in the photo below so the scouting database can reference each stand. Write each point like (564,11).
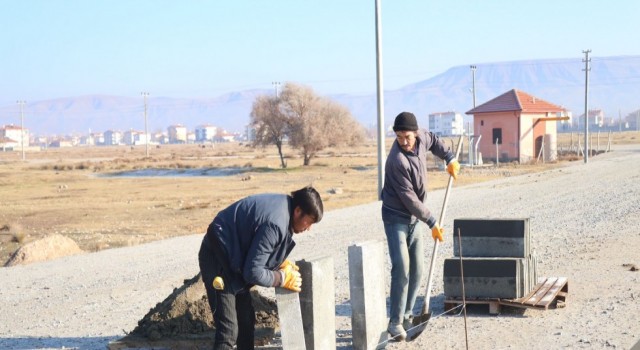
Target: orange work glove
(291,278)
(437,232)
(288,262)
(453,168)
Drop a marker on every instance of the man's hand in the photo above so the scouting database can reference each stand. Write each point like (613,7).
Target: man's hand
(291,278)
(437,232)
(453,168)
(288,262)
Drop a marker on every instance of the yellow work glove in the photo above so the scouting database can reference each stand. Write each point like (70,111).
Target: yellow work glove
(437,232)
(291,278)
(288,262)
(453,168)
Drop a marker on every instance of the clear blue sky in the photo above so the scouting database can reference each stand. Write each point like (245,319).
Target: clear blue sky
(55,48)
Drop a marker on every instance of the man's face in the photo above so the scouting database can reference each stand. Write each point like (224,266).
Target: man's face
(406,139)
(301,222)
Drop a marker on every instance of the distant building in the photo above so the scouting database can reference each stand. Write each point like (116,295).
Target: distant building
(596,118)
(446,123)
(517,125)
(565,124)
(16,134)
(224,136)
(632,121)
(177,134)
(133,137)
(60,143)
(7,144)
(250,131)
(112,138)
(205,133)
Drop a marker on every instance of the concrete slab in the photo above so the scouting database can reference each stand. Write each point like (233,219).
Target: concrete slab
(492,237)
(317,301)
(487,277)
(368,294)
(291,326)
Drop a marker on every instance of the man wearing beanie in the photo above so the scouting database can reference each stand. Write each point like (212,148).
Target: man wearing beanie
(404,214)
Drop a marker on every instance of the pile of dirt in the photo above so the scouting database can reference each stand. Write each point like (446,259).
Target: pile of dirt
(186,312)
(47,248)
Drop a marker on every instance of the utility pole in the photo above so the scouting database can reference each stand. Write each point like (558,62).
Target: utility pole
(473,93)
(473,84)
(275,85)
(146,132)
(21,104)
(586,69)
(380,99)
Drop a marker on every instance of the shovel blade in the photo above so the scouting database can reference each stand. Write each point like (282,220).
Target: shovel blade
(419,325)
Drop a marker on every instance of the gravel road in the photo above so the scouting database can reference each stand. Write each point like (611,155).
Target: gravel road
(585,223)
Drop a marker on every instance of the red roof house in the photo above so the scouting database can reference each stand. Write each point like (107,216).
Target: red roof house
(520,123)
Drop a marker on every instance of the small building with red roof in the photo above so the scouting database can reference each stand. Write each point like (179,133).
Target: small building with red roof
(522,125)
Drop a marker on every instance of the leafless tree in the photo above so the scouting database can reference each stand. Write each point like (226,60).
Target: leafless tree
(270,124)
(316,122)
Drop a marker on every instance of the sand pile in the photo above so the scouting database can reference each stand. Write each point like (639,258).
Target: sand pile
(186,312)
(47,248)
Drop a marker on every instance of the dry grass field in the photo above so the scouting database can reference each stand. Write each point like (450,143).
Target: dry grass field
(66,191)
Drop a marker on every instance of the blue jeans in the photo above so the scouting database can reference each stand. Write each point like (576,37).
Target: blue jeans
(406,250)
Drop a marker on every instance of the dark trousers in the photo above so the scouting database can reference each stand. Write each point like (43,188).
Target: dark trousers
(233,314)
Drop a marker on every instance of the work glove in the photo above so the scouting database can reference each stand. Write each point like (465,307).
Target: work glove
(437,232)
(288,262)
(453,168)
(291,278)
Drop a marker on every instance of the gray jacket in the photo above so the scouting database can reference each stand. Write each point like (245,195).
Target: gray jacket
(405,180)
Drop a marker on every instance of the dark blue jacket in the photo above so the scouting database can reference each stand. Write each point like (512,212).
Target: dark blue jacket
(255,236)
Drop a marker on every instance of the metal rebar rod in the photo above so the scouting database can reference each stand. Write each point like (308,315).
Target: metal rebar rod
(464,303)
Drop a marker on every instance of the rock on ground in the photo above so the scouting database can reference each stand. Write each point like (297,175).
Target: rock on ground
(49,247)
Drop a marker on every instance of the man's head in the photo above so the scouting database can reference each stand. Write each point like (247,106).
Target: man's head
(307,209)
(406,127)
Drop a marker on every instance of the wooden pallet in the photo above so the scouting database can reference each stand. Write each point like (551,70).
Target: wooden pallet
(550,292)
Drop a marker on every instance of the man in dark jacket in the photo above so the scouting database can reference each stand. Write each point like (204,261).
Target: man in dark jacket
(404,211)
(247,244)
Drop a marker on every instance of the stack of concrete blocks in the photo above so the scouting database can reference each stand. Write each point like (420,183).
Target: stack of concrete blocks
(368,297)
(307,319)
(497,259)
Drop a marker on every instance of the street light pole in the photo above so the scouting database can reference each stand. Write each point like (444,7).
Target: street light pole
(275,85)
(22,103)
(380,99)
(586,69)
(473,84)
(146,132)
(473,93)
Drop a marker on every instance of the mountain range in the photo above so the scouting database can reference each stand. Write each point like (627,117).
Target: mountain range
(614,87)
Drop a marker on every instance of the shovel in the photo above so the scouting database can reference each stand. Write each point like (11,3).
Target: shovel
(420,321)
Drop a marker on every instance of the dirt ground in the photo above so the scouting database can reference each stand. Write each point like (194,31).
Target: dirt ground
(584,227)
(67,191)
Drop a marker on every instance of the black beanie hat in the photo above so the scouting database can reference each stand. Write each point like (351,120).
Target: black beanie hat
(405,121)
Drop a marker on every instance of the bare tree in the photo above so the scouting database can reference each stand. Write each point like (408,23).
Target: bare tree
(317,123)
(270,124)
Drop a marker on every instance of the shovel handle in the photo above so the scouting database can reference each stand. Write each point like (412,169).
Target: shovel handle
(425,306)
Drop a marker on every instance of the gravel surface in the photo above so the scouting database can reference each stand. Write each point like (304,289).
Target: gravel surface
(585,223)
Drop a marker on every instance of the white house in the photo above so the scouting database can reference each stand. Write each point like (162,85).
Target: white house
(133,137)
(446,123)
(112,137)
(205,133)
(16,134)
(177,134)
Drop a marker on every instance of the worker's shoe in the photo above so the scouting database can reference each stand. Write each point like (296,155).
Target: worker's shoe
(397,332)
(407,324)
